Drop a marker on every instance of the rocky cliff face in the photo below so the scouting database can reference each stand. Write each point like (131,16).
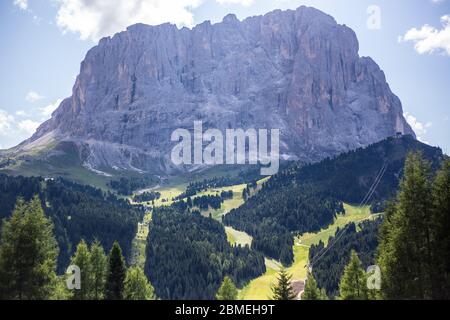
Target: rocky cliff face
(295,70)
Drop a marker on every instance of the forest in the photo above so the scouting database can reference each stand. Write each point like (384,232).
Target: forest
(188,256)
(306,198)
(362,238)
(77,211)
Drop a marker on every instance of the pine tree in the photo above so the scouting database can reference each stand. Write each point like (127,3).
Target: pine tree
(116,274)
(60,290)
(137,286)
(353,285)
(441,233)
(312,292)
(283,289)
(227,290)
(28,253)
(82,259)
(405,250)
(99,264)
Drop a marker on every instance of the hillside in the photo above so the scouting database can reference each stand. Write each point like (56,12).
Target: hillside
(306,199)
(77,211)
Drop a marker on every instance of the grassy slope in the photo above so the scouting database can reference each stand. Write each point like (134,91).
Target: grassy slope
(260,288)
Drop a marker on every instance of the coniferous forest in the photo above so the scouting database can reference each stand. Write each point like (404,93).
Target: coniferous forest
(189,256)
(78,212)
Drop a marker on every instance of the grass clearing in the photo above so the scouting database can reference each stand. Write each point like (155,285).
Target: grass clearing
(238,237)
(260,288)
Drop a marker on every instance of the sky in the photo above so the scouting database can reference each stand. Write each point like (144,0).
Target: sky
(42,43)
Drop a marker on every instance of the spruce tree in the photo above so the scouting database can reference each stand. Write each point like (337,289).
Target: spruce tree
(99,264)
(405,250)
(82,259)
(312,292)
(28,253)
(441,233)
(227,290)
(116,274)
(137,286)
(283,289)
(353,285)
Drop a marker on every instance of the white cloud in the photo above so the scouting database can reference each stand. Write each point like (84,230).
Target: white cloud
(15,130)
(6,122)
(244,3)
(33,96)
(429,39)
(419,128)
(22,4)
(47,111)
(95,19)
(28,126)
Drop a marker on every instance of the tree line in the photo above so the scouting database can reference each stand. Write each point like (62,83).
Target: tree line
(77,212)
(28,263)
(306,198)
(413,251)
(188,256)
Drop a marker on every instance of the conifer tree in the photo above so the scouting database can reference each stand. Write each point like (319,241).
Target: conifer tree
(405,250)
(82,259)
(137,286)
(227,290)
(312,292)
(99,264)
(353,285)
(283,289)
(28,253)
(440,235)
(116,274)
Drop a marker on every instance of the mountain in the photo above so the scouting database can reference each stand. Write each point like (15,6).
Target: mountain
(306,198)
(295,70)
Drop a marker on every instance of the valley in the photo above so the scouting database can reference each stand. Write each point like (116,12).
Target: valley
(258,288)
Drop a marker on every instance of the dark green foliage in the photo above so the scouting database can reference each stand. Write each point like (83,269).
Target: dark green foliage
(353,284)
(147,196)
(126,186)
(440,235)
(78,212)
(227,194)
(218,182)
(329,268)
(283,289)
(205,202)
(28,252)
(82,259)
(114,288)
(280,209)
(312,292)
(413,251)
(99,264)
(306,199)
(136,286)
(189,255)
(227,290)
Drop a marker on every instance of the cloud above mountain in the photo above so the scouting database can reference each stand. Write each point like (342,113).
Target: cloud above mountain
(95,19)
(429,39)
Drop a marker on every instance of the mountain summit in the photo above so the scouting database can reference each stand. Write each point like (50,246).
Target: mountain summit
(296,70)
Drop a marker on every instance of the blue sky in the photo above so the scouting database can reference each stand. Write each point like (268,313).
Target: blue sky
(44,41)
